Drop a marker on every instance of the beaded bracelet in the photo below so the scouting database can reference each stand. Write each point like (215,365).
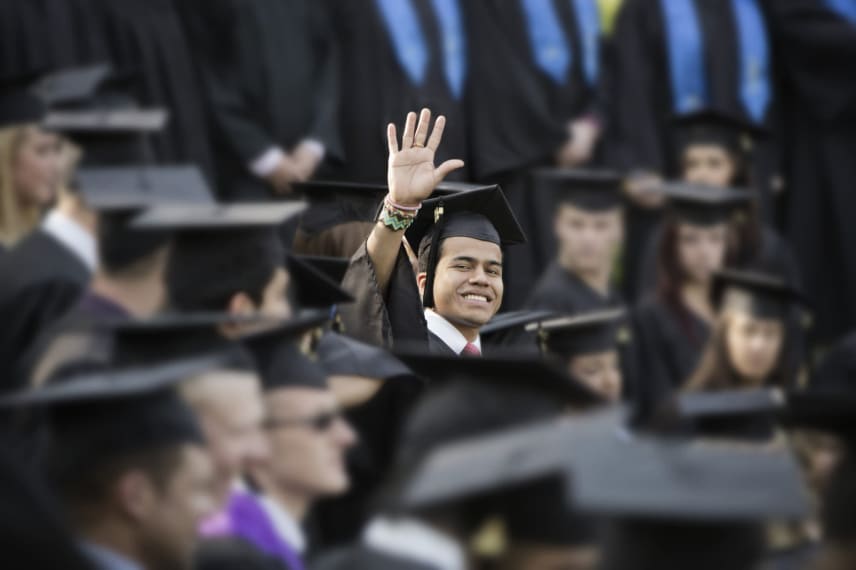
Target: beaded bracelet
(396,218)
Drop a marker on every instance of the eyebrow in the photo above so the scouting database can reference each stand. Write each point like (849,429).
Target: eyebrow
(474,260)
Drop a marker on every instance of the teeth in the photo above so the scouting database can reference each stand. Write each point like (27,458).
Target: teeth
(481,298)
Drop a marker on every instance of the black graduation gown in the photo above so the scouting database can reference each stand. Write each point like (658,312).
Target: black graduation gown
(815,46)
(41,281)
(639,134)
(229,553)
(437,346)
(518,119)
(376,90)
(271,82)
(362,556)
(145,38)
(669,345)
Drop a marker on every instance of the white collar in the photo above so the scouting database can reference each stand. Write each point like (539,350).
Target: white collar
(73,236)
(413,540)
(447,332)
(108,559)
(285,524)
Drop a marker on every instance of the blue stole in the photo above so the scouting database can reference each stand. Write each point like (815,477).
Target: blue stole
(687,64)
(411,48)
(844,8)
(588,22)
(549,44)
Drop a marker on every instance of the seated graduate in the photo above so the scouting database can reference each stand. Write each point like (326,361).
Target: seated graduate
(673,325)
(127,460)
(714,149)
(589,231)
(459,240)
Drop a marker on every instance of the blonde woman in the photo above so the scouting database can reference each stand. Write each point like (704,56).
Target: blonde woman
(29,177)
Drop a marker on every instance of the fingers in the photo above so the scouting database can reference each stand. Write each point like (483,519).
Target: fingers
(437,133)
(409,131)
(447,168)
(391,138)
(422,128)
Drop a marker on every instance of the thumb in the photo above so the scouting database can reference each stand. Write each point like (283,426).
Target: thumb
(447,168)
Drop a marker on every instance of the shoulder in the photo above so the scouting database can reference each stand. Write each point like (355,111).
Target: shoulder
(227,553)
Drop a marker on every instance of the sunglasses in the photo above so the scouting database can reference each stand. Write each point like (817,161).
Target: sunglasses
(320,423)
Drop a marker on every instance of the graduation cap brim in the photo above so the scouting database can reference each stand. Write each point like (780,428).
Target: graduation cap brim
(589,190)
(760,294)
(710,126)
(704,205)
(511,320)
(138,187)
(19,103)
(730,403)
(216,217)
(73,85)
(332,267)
(340,355)
(107,121)
(313,289)
(515,372)
(580,334)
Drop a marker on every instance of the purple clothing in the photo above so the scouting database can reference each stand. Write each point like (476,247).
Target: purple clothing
(245,518)
(95,305)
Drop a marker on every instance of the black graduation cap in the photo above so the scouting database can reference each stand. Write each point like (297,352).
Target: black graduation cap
(830,410)
(711,126)
(280,361)
(108,189)
(332,203)
(581,334)
(482,214)
(19,103)
(514,320)
(759,294)
(72,85)
(313,289)
(333,267)
(212,217)
(510,371)
(703,205)
(589,190)
(340,355)
(731,403)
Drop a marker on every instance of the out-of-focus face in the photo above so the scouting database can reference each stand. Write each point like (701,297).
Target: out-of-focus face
(230,410)
(588,241)
(468,281)
(169,532)
(308,438)
(36,166)
(709,164)
(753,346)
(601,372)
(701,250)
(550,557)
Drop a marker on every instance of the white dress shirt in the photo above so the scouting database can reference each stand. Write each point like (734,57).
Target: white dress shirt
(416,541)
(447,332)
(72,235)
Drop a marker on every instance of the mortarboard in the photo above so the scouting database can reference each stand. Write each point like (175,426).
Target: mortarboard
(710,126)
(313,289)
(703,205)
(279,359)
(203,218)
(482,214)
(340,355)
(333,203)
(581,334)
(758,294)
(19,104)
(333,267)
(73,85)
(589,190)
(509,330)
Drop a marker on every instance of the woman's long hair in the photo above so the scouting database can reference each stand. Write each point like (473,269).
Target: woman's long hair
(715,371)
(15,218)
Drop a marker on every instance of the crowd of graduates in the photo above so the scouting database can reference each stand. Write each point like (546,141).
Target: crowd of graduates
(428,284)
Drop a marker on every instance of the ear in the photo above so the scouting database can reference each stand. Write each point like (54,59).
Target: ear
(421,278)
(135,495)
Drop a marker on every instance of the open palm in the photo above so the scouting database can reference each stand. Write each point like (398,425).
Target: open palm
(411,173)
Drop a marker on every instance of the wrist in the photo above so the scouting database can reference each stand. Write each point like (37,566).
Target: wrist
(397,217)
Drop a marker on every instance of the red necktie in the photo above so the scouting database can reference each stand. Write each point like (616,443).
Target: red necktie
(471,350)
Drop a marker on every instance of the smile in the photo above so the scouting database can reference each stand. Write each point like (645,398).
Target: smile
(475,297)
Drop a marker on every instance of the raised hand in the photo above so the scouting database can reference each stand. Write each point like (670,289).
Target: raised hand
(411,174)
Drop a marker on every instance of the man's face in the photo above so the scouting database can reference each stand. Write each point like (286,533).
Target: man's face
(169,532)
(468,281)
(587,240)
(230,410)
(308,439)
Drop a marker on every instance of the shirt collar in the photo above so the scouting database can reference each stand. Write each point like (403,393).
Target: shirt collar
(108,559)
(285,524)
(73,236)
(413,540)
(447,332)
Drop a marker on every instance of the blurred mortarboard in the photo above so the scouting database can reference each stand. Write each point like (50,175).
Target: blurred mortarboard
(737,415)
(758,294)
(72,85)
(710,126)
(530,374)
(702,205)
(831,410)
(581,334)
(589,190)
(482,214)
(333,267)
(139,187)
(279,359)
(333,203)
(340,355)
(313,289)
(202,218)
(19,103)
(513,320)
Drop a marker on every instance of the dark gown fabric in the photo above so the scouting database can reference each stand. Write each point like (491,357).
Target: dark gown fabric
(145,39)
(364,557)
(270,76)
(40,281)
(639,134)
(376,90)
(438,347)
(815,46)
(229,553)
